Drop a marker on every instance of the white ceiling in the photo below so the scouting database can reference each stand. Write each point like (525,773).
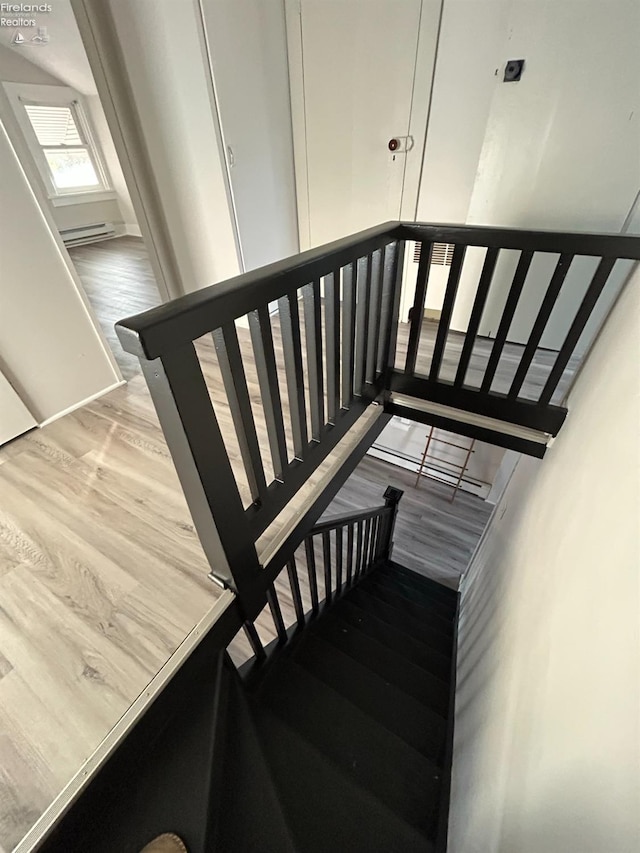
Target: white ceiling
(64,56)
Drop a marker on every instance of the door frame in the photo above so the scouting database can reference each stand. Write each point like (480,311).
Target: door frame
(423,76)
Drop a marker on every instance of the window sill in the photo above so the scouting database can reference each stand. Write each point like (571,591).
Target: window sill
(82,198)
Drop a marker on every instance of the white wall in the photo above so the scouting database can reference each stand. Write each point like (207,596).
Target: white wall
(17,69)
(164,64)
(547,738)
(49,347)
(557,150)
(248,46)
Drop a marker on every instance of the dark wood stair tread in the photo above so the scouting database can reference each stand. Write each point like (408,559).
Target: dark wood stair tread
(419,726)
(444,593)
(415,592)
(397,598)
(358,746)
(392,637)
(418,628)
(388,664)
(326,810)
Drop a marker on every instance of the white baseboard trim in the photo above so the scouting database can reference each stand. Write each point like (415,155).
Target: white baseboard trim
(82,403)
(132,230)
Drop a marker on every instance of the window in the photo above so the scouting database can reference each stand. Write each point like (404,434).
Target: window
(67,154)
(68,158)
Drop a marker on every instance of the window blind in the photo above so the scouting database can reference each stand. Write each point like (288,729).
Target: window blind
(54,126)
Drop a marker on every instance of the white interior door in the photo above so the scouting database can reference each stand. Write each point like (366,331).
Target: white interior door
(248,46)
(353,73)
(15,418)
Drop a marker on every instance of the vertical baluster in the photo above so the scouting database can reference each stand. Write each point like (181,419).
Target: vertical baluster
(349,554)
(374,538)
(332,333)
(359,550)
(348,333)
(362,322)
(507,316)
(447,310)
(365,550)
(338,560)
(294,583)
(254,640)
(265,359)
(550,297)
(311,571)
(313,334)
(417,311)
(326,556)
(292,351)
(476,314)
(276,613)
(577,327)
(375,278)
(392,286)
(227,347)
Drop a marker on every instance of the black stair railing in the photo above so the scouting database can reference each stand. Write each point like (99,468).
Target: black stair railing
(420,373)
(289,384)
(257,379)
(335,555)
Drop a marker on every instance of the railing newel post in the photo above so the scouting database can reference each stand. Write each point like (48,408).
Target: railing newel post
(392,497)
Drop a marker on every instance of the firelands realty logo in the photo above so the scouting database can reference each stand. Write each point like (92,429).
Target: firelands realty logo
(11,16)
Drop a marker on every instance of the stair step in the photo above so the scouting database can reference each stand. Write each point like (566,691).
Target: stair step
(419,726)
(444,593)
(414,592)
(393,638)
(392,667)
(360,748)
(415,627)
(253,790)
(424,612)
(326,810)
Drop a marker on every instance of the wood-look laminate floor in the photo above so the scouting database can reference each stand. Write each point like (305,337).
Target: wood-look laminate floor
(116,276)
(101,573)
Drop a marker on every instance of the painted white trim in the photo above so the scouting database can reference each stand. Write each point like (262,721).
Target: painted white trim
(424,72)
(282,525)
(293,23)
(82,198)
(132,230)
(124,725)
(219,131)
(103,52)
(471,418)
(82,403)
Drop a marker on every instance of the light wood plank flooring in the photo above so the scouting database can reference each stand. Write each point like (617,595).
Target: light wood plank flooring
(101,573)
(118,280)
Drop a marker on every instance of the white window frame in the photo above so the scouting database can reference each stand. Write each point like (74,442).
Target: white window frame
(22,95)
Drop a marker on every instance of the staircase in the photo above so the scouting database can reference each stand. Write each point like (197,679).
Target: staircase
(349,727)
(336,735)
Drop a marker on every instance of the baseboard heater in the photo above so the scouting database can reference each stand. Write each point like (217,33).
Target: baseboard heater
(87,233)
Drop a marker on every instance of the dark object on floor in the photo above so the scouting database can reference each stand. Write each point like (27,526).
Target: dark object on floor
(168,842)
